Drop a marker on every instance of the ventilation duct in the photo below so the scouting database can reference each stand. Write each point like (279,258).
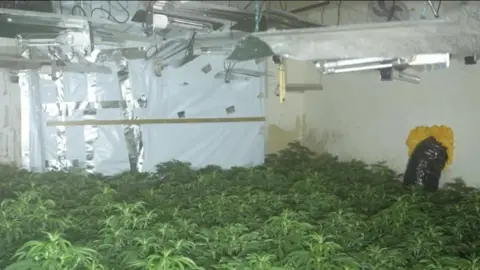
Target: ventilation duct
(386,40)
(63,37)
(200,16)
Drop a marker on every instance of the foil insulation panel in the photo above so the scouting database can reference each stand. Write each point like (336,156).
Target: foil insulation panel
(25,98)
(90,131)
(32,135)
(133,133)
(74,107)
(61,162)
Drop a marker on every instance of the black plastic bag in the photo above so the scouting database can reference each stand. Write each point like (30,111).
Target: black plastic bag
(425,165)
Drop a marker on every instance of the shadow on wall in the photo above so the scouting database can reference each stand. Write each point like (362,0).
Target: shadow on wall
(318,143)
(278,138)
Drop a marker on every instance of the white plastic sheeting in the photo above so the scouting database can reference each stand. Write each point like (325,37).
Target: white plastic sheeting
(201,96)
(186,89)
(106,149)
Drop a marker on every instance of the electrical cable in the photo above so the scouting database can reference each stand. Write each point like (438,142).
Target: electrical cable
(109,12)
(231,64)
(258,15)
(391,12)
(231,22)
(189,50)
(144,23)
(53,53)
(228,68)
(122,7)
(75,7)
(438,7)
(339,12)
(437,10)
(321,15)
(248,5)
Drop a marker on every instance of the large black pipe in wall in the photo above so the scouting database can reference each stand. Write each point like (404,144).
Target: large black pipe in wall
(425,165)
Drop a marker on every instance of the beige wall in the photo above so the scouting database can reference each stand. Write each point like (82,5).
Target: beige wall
(285,121)
(358,117)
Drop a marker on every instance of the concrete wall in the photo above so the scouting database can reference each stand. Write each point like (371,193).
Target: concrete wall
(358,117)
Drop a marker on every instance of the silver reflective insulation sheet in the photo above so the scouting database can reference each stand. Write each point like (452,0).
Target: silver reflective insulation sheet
(133,133)
(32,136)
(90,131)
(61,162)
(71,108)
(24,83)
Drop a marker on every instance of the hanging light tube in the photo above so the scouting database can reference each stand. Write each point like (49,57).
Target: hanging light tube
(361,64)
(350,65)
(282,83)
(357,68)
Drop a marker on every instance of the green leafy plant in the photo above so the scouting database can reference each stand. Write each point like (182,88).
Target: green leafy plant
(297,211)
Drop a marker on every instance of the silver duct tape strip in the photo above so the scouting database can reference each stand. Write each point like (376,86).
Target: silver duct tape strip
(69,108)
(32,133)
(133,133)
(61,161)
(90,132)
(24,83)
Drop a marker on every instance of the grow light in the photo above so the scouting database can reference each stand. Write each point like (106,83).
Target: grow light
(375,63)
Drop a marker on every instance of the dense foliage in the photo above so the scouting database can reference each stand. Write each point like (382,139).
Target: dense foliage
(299,211)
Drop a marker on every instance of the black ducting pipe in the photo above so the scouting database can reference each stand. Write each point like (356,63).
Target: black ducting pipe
(426,164)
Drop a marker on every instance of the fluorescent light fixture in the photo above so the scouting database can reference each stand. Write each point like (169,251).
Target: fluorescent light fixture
(350,65)
(351,62)
(358,68)
(361,64)
(430,59)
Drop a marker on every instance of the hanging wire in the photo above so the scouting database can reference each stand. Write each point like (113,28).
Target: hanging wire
(191,42)
(228,65)
(53,53)
(258,15)
(109,12)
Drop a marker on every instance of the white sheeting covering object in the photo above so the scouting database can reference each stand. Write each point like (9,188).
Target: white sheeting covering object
(105,149)
(388,40)
(201,96)
(32,126)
